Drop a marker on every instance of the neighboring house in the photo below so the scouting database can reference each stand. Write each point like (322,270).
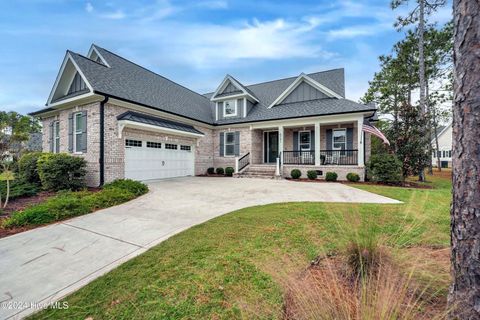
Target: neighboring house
(444,151)
(127,121)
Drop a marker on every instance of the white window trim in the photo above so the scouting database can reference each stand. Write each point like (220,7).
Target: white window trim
(333,138)
(225,144)
(309,143)
(55,133)
(75,133)
(225,115)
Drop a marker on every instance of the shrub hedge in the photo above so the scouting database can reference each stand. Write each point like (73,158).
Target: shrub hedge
(229,171)
(68,204)
(220,171)
(295,173)
(27,167)
(19,188)
(353,177)
(385,168)
(211,170)
(60,171)
(312,174)
(135,187)
(331,176)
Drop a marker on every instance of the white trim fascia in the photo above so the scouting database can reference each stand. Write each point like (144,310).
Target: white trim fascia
(236,109)
(297,82)
(235,83)
(68,57)
(244,107)
(76,98)
(94,48)
(149,127)
(235,96)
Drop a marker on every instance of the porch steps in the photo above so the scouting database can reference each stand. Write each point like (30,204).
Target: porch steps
(258,171)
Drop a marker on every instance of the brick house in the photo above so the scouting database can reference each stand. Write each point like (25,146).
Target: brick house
(129,122)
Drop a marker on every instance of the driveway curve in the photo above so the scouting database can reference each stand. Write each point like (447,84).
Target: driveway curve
(40,266)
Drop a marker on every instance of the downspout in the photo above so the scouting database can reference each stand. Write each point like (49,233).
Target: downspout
(102,140)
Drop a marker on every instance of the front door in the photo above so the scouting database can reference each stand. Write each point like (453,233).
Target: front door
(270,146)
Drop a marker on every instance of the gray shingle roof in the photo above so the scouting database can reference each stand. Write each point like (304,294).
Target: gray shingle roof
(129,81)
(159,122)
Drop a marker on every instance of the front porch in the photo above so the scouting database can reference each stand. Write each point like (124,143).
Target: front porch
(324,146)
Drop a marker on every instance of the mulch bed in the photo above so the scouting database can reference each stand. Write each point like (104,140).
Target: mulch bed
(406,184)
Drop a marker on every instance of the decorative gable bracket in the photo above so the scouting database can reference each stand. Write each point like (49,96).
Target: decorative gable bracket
(226,82)
(69,72)
(304,78)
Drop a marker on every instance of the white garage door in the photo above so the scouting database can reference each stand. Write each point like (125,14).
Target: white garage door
(147,160)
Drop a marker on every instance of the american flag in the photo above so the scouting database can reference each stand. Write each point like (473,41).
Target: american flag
(373,130)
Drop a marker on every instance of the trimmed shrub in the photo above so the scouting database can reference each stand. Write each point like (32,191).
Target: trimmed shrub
(312,174)
(295,173)
(109,197)
(60,171)
(211,170)
(353,177)
(331,176)
(68,204)
(229,171)
(385,168)
(19,188)
(27,167)
(137,188)
(220,171)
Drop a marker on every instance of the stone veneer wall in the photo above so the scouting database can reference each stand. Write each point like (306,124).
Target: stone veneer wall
(93,138)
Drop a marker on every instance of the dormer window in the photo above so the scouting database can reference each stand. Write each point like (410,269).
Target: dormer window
(230,108)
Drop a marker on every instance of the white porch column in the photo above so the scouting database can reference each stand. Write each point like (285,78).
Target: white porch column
(360,141)
(280,143)
(317,143)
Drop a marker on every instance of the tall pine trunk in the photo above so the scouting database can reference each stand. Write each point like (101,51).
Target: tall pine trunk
(464,295)
(437,145)
(421,68)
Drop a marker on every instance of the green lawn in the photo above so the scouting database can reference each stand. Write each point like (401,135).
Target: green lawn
(230,267)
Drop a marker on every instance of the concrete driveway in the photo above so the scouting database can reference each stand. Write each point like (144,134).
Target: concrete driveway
(43,265)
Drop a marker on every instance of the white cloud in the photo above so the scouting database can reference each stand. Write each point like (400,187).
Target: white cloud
(358,31)
(89,7)
(209,45)
(115,15)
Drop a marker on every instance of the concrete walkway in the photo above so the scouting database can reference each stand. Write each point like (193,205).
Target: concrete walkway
(43,265)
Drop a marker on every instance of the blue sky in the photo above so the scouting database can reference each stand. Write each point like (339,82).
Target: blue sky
(194,43)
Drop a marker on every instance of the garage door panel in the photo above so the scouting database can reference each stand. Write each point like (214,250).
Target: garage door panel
(142,163)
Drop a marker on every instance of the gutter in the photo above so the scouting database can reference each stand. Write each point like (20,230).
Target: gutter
(102,140)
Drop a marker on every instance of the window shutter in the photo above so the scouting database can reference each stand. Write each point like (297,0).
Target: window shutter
(50,138)
(84,133)
(70,132)
(237,143)
(350,138)
(312,140)
(222,144)
(329,139)
(295,141)
(220,110)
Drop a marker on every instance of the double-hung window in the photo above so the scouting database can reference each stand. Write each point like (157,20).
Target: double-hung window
(229,143)
(304,140)
(230,108)
(78,130)
(339,139)
(56,137)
